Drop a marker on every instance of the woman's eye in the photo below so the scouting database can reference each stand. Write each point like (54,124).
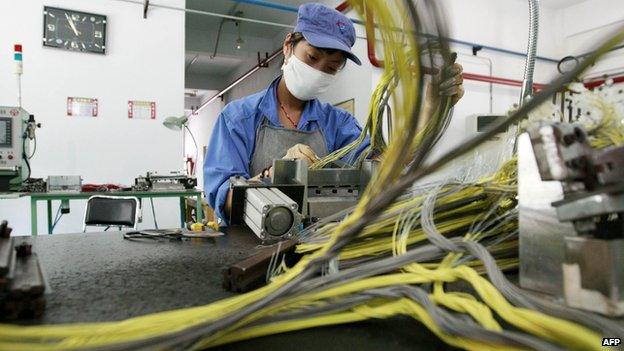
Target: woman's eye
(313,58)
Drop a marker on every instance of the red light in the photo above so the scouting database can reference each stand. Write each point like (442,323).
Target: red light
(10,157)
(18,47)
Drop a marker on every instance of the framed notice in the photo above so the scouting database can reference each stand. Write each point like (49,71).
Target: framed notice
(141,109)
(82,107)
(348,105)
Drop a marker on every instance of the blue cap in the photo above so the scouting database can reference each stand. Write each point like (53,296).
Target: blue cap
(326,28)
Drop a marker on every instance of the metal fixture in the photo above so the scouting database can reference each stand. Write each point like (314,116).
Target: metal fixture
(270,214)
(22,284)
(239,42)
(583,261)
(64,184)
(317,193)
(173,181)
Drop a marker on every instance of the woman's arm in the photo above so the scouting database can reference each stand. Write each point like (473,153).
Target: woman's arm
(227,156)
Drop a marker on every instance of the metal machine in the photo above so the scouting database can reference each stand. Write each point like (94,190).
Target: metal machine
(13,168)
(64,184)
(304,195)
(162,182)
(581,258)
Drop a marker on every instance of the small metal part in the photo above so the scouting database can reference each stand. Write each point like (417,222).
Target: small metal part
(561,151)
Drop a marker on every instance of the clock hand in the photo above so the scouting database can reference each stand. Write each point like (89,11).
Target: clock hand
(71,23)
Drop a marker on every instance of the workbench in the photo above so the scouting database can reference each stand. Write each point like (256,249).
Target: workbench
(68,196)
(96,277)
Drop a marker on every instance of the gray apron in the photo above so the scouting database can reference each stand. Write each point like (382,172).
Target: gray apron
(273,143)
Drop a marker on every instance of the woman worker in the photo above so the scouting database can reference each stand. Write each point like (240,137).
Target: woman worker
(286,120)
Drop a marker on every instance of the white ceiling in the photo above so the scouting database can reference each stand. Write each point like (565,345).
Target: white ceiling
(203,29)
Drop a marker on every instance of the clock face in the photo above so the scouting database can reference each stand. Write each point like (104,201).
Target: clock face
(74,30)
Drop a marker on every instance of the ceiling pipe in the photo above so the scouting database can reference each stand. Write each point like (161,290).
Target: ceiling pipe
(213,14)
(596,83)
(268,4)
(499,80)
(370,39)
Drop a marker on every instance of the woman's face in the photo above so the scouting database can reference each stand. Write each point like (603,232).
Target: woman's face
(322,60)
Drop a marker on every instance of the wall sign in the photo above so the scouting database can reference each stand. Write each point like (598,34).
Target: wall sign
(82,107)
(141,109)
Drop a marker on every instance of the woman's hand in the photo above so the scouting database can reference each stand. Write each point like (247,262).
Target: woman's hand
(302,152)
(454,86)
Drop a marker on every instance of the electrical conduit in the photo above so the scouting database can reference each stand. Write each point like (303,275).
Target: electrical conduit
(529,66)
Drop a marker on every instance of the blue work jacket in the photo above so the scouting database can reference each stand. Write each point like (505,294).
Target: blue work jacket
(234,138)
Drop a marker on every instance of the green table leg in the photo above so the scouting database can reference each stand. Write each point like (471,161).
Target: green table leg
(182,212)
(49,216)
(199,209)
(33,216)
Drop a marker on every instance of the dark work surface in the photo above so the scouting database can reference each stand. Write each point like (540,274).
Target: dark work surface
(102,277)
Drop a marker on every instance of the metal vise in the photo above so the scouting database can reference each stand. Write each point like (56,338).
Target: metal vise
(593,201)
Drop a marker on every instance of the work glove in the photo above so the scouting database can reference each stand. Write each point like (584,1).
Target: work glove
(454,86)
(302,152)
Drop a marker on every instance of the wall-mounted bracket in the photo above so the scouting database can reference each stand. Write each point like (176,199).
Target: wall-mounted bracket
(263,62)
(145,8)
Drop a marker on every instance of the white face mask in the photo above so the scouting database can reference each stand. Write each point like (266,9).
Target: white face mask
(303,81)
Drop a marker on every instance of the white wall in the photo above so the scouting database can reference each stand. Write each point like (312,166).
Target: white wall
(144,61)
(586,24)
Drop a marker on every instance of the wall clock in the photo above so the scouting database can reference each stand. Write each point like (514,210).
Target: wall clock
(74,30)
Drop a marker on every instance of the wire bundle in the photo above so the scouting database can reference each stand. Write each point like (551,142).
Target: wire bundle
(400,278)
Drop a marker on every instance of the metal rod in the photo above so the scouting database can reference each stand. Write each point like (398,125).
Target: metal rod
(498,80)
(269,5)
(208,13)
(596,83)
(240,79)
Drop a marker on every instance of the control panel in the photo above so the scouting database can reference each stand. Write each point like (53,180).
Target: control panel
(11,126)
